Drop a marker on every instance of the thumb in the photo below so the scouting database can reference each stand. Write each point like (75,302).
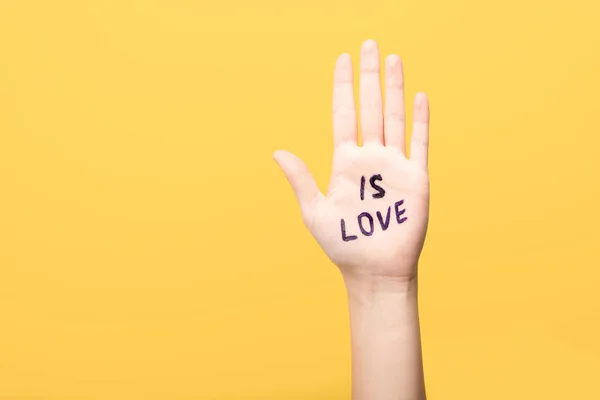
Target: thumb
(300,178)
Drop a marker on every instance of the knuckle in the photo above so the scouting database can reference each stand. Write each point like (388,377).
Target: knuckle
(395,116)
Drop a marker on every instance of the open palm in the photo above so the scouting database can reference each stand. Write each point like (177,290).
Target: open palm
(374,217)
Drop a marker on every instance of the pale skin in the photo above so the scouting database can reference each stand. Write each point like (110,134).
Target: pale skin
(379,267)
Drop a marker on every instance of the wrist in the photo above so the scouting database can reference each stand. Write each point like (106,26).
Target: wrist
(372,287)
(377,291)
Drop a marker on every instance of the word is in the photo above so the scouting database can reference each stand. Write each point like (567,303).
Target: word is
(380,191)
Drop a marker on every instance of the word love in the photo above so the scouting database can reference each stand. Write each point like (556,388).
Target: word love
(366,222)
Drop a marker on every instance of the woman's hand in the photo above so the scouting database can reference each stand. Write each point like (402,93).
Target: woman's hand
(373,220)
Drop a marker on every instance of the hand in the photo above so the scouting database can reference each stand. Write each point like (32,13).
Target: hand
(373,220)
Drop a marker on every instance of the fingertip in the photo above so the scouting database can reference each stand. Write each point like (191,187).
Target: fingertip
(282,158)
(421,99)
(343,69)
(276,154)
(393,60)
(288,161)
(421,107)
(369,45)
(394,73)
(343,60)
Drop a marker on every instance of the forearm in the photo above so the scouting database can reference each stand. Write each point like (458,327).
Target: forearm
(385,335)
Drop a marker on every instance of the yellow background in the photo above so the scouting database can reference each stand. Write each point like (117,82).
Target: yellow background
(151,249)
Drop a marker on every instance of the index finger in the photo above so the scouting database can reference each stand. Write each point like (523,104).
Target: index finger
(344,112)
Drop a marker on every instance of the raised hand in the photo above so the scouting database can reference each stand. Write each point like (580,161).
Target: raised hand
(373,220)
